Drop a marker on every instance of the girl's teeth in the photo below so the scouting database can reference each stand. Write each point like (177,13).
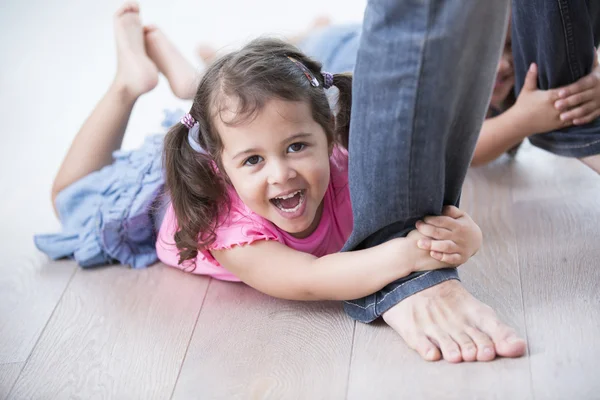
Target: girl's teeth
(289,196)
(291,210)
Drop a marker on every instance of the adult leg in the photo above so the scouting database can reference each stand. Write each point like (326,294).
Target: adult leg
(559,36)
(102,133)
(423,80)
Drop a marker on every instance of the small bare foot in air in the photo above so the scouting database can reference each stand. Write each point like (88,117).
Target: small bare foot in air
(136,73)
(206,52)
(181,75)
(318,23)
(445,321)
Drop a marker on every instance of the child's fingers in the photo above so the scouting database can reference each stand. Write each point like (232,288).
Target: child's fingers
(441,246)
(580,111)
(441,221)
(588,118)
(452,212)
(452,259)
(433,232)
(531,78)
(583,84)
(575,100)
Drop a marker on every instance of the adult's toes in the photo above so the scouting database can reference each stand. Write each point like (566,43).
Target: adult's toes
(467,346)
(510,345)
(505,339)
(450,350)
(484,344)
(422,345)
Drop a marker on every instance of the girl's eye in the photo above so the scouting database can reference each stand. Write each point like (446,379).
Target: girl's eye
(296,147)
(252,160)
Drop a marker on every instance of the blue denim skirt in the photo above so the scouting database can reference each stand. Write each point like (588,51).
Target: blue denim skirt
(112,215)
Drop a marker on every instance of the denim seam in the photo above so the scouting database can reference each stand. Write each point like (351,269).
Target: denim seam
(570,43)
(387,294)
(558,145)
(414,116)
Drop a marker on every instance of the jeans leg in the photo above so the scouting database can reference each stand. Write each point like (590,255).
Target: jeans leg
(558,35)
(423,79)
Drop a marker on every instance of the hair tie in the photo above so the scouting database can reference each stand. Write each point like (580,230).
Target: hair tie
(188,121)
(327,79)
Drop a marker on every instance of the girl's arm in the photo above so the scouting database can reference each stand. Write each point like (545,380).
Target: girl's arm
(280,271)
(534,112)
(498,135)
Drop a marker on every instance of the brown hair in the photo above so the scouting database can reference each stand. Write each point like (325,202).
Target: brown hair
(260,71)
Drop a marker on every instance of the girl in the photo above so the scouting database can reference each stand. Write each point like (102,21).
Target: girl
(256,176)
(509,120)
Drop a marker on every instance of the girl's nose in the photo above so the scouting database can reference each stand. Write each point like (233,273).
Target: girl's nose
(280,172)
(504,65)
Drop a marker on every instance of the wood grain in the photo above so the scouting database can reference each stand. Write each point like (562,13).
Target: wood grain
(8,375)
(560,257)
(251,346)
(117,333)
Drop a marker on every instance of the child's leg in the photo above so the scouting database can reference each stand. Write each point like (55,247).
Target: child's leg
(593,162)
(182,76)
(102,133)
(208,53)
(320,22)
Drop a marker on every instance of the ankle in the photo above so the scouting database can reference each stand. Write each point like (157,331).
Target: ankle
(125,92)
(184,87)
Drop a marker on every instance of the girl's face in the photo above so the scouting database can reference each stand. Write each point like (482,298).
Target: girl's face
(278,164)
(505,75)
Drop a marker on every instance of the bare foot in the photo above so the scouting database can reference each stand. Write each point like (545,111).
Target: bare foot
(319,22)
(135,71)
(448,318)
(181,75)
(206,52)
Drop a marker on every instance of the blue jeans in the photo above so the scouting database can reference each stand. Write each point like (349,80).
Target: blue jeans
(423,79)
(558,35)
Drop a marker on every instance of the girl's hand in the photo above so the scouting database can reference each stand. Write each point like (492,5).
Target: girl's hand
(534,109)
(580,101)
(452,238)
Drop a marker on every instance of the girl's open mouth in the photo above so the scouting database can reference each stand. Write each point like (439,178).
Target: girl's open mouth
(291,205)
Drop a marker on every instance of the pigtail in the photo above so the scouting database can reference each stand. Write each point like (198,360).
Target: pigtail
(197,192)
(343,82)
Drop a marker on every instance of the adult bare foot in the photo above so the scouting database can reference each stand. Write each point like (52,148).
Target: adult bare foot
(181,75)
(448,318)
(136,73)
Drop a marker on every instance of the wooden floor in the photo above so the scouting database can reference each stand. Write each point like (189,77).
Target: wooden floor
(117,333)
(159,333)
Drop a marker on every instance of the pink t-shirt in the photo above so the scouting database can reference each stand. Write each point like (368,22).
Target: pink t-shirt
(242,226)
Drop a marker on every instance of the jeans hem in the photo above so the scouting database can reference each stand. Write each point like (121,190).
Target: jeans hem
(567,150)
(378,303)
